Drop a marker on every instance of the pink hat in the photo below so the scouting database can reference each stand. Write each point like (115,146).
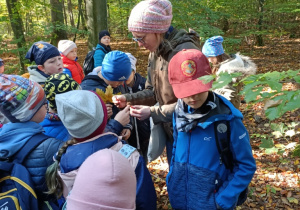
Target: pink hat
(151,16)
(105,180)
(184,70)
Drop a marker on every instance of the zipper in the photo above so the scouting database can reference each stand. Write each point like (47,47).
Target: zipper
(187,165)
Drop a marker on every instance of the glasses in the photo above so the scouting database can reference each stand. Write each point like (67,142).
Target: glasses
(141,40)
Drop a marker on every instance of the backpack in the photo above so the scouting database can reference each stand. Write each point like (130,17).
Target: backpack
(222,137)
(16,186)
(88,63)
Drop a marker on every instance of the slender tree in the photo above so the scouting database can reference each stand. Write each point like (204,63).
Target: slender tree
(97,19)
(57,18)
(18,29)
(70,11)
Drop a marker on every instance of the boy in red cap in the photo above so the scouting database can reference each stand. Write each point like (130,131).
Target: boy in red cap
(197,178)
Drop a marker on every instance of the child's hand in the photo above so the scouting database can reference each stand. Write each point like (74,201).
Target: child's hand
(119,101)
(109,110)
(123,116)
(140,112)
(125,133)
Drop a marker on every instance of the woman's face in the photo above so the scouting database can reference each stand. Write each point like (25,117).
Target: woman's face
(150,41)
(105,40)
(52,66)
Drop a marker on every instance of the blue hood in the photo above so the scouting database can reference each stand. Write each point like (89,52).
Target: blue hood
(14,135)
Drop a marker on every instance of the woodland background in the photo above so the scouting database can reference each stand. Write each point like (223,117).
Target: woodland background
(266,30)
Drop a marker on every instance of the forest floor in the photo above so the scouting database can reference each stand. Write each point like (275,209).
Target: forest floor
(276,183)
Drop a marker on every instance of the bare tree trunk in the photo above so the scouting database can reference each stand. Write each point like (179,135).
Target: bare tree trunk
(57,19)
(97,19)
(65,13)
(18,29)
(259,38)
(70,11)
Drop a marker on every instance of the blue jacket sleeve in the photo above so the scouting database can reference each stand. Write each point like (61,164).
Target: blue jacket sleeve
(98,58)
(67,71)
(114,126)
(145,192)
(227,195)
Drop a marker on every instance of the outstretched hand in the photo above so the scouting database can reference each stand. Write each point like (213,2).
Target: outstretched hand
(140,112)
(119,101)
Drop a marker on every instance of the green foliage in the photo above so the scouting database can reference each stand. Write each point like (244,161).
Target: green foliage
(296,152)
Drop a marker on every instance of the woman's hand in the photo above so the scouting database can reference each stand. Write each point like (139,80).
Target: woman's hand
(140,112)
(119,100)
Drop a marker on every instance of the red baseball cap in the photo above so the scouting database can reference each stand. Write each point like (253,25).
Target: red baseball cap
(184,70)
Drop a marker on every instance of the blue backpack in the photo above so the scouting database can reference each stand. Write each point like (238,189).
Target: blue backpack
(16,186)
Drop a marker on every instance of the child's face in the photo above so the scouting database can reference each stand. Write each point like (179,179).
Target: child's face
(105,40)
(213,60)
(131,77)
(40,114)
(197,100)
(72,55)
(52,66)
(1,69)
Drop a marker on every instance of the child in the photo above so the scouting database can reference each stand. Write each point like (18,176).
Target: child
(57,84)
(102,48)
(233,63)
(110,178)
(68,50)
(86,124)
(23,102)
(116,68)
(48,61)
(136,83)
(1,66)
(197,178)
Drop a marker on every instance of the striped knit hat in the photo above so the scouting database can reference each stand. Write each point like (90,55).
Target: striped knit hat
(151,16)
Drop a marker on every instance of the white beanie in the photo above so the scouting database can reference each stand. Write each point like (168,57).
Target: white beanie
(65,46)
(82,112)
(132,61)
(105,180)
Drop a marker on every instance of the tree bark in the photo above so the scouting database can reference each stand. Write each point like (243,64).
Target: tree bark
(65,13)
(18,29)
(71,13)
(259,38)
(57,19)
(96,19)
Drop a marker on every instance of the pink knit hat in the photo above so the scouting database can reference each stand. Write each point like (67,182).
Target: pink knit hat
(105,180)
(151,16)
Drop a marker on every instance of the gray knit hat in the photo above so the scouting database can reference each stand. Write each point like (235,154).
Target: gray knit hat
(82,112)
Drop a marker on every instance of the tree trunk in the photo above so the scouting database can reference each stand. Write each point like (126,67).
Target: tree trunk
(97,19)
(259,38)
(57,19)
(65,13)
(71,13)
(18,29)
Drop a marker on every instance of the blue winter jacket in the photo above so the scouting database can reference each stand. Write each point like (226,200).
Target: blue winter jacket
(14,135)
(99,55)
(55,129)
(197,179)
(77,154)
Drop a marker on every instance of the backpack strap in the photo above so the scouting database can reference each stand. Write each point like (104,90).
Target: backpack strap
(29,146)
(222,137)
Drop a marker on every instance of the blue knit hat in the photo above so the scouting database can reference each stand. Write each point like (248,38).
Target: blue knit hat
(41,51)
(213,47)
(116,66)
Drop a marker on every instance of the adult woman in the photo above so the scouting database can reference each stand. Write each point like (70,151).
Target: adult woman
(150,24)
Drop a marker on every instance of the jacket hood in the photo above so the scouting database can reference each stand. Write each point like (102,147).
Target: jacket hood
(175,38)
(37,75)
(238,64)
(14,135)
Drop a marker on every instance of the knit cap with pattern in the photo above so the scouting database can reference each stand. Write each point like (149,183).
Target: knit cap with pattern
(20,98)
(213,46)
(105,180)
(41,51)
(82,112)
(57,84)
(151,16)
